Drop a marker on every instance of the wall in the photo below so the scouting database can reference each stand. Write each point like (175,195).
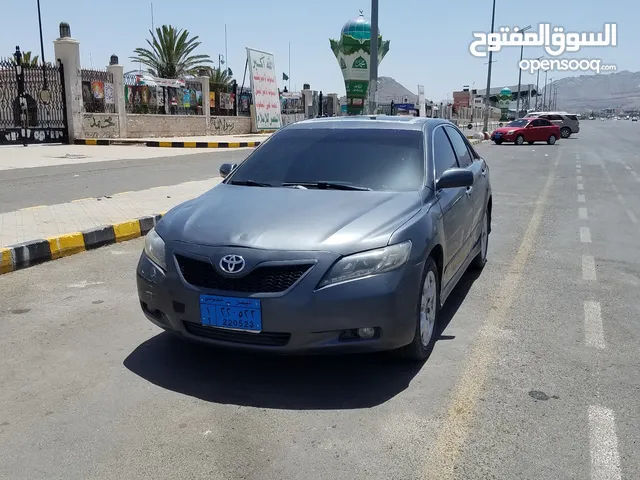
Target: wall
(291,118)
(230,126)
(143,126)
(100,125)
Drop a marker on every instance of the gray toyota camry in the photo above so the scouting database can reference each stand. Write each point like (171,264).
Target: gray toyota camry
(335,235)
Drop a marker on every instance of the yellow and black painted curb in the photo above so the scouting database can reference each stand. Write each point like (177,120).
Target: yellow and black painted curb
(159,143)
(28,254)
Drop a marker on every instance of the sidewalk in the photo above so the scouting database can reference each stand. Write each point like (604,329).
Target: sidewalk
(206,141)
(37,234)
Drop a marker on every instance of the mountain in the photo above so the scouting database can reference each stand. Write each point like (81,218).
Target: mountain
(389,89)
(615,90)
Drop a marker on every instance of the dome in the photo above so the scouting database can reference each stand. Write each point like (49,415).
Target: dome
(506,91)
(358,28)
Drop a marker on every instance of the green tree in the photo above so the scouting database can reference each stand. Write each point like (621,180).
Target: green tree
(219,80)
(27,59)
(171,53)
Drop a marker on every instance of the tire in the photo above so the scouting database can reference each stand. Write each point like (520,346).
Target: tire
(551,140)
(519,140)
(422,345)
(530,143)
(565,132)
(498,142)
(480,260)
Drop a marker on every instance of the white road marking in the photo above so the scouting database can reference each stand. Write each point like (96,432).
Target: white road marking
(605,459)
(632,216)
(627,167)
(634,173)
(621,198)
(582,213)
(614,188)
(580,186)
(585,235)
(579,178)
(588,268)
(579,171)
(581,198)
(593,330)
(84,284)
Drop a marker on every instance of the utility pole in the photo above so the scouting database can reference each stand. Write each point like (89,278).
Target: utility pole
(488,92)
(520,74)
(538,86)
(544,94)
(373,72)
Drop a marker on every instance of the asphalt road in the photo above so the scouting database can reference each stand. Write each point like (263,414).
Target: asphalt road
(535,374)
(29,187)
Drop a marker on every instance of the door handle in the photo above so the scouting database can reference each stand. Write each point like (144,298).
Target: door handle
(469,190)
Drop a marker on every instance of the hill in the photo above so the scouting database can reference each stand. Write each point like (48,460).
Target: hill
(620,89)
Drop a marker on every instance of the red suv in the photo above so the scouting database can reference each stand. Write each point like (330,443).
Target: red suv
(528,130)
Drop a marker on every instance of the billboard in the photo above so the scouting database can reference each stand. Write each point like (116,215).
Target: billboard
(264,86)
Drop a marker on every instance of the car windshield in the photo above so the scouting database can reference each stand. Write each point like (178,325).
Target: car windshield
(518,123)
(375,159)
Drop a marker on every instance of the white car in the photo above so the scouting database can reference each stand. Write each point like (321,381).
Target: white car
(634,119)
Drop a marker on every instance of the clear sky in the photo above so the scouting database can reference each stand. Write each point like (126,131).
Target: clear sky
(429,39)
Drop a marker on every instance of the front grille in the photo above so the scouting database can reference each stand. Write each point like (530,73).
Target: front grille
(269,339)
(268,279)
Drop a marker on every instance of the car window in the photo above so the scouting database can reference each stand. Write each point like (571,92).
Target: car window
(536,123)
(544,123)
(573,117)
(518,123)
(555,117)
(376,158)
(460,147)
(544,116)
(444,157)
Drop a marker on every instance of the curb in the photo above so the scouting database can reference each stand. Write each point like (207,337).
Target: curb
(203,144)
(35,252)
(116,141)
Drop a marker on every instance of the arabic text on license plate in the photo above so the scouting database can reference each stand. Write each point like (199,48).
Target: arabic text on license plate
(231,312)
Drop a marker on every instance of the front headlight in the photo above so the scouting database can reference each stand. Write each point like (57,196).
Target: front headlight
(154,248)
(510,132)
(367,263)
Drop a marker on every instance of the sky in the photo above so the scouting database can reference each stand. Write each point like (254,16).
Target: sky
(429,39)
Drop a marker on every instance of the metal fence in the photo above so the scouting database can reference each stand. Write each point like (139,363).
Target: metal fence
(98,95)
(140,98)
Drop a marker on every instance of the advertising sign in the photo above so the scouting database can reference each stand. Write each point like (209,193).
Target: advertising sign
(264,85)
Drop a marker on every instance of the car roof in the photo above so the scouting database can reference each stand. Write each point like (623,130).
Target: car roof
(389,122)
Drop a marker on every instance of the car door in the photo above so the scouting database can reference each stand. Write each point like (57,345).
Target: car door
(454,203)
(537,130)
(545,130)
(465,159)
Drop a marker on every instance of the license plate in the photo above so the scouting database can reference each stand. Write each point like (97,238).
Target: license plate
(231,312)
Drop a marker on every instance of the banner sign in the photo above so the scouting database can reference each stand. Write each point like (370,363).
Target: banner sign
(264,86)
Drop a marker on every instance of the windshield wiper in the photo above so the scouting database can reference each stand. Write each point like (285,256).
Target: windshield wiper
(328,186)
(249,183)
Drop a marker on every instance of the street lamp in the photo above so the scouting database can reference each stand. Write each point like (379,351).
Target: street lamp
(45,95)
(373,72)
(522,30)
(488,92)
(537,85)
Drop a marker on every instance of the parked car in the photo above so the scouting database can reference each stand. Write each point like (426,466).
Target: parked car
(634,119)
(569,123)
(528,130)
(335,235)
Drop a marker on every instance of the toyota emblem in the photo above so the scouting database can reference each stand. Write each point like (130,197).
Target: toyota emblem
(232,264)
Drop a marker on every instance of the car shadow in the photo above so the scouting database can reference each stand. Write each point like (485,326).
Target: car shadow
(327,382)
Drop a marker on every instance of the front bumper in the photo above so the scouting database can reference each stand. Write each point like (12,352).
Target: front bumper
(302,319)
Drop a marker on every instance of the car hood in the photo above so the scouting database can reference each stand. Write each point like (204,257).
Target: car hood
(290,219)
(506,129)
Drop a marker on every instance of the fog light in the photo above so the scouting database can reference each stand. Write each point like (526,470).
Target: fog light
(366,332)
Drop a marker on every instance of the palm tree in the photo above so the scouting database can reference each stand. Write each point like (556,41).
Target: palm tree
(27,59)
(170,55)
(218,79)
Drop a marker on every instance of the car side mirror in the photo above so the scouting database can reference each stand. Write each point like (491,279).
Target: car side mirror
(455,178)
(227,168)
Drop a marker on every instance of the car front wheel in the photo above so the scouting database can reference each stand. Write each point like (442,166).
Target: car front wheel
(519,140)
(565,132)
(426,316)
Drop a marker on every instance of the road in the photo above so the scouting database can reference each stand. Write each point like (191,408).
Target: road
(50,185)
(535,374)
